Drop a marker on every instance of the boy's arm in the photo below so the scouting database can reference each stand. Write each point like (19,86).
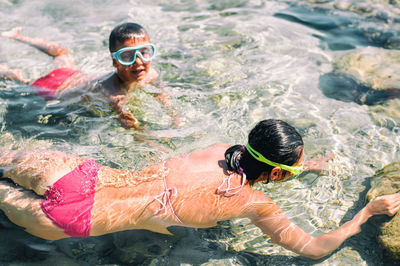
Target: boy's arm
(79,92)
(127,119)
(163,97)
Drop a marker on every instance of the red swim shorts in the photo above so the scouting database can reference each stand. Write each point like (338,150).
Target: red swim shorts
(48,84)
(70,200)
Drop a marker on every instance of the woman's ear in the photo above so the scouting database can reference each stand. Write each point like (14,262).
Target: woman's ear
(276,174)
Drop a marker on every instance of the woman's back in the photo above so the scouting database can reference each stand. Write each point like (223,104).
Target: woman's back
(194,184)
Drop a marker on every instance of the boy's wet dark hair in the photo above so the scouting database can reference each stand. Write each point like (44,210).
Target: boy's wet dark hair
(124,32)
(275,139)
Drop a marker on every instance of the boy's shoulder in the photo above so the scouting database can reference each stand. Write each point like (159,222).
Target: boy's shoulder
(106,84)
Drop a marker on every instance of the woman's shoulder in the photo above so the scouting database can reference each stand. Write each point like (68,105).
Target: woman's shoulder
(210,152)
(220,146)
(259,205)
(217,147)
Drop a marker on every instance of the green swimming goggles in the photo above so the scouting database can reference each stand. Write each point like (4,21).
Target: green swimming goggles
(295,170)
(127,56)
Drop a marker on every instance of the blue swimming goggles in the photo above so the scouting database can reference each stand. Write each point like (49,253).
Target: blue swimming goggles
(295,170)
(127,56)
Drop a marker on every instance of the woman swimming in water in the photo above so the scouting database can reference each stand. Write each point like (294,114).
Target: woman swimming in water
(132,53)
(64,195)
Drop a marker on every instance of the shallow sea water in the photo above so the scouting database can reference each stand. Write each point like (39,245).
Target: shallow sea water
(228,64)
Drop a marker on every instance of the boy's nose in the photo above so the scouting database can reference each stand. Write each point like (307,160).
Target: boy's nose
(138,61)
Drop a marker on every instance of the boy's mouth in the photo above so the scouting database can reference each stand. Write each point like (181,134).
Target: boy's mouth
(138,71)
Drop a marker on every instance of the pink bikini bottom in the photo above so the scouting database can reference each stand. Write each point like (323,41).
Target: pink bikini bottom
(70,200)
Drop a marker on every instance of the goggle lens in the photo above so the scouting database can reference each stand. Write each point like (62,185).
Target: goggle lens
(127,55)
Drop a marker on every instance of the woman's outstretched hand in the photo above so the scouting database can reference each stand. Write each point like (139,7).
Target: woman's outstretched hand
(388,204)
(318,164)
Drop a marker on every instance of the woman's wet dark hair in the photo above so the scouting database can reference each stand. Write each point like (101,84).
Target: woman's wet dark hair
(124,32)
(275,139)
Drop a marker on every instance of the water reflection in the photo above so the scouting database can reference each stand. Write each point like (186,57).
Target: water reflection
(228,65)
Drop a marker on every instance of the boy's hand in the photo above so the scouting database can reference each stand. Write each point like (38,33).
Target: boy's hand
(117,100)
(128,120)
(163,98)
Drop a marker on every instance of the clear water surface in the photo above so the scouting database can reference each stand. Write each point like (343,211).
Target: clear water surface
(228,64)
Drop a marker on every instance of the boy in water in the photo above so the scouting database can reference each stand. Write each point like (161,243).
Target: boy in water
(131,52)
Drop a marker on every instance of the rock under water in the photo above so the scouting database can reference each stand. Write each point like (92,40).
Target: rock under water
(374,67)
(387,181)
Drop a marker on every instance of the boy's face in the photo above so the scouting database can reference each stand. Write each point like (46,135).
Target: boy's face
(139,70)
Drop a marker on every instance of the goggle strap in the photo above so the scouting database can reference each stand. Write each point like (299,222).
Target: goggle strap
(258,156)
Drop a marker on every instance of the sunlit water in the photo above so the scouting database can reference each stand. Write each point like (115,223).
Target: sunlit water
(227,64)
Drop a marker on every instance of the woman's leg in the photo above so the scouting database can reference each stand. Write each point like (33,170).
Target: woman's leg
(37,170)
(61,56)
(23,208)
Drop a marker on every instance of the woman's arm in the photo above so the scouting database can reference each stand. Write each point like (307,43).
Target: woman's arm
(318,164)
(285,233)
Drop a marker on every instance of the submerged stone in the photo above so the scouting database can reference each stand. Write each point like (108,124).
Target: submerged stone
(374,67)
(387,181)
(387,114)
(368,76)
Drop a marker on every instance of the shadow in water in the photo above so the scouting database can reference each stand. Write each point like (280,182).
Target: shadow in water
(28,115)
(342,30)
(342,87)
